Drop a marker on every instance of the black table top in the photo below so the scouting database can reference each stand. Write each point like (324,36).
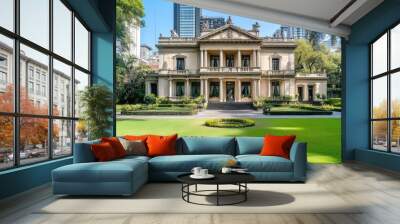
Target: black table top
(220,178)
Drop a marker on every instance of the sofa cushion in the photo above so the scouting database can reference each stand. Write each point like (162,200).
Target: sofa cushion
(134,147)
(257,163)
(83,152)
(116,145)
(207,145)
(161,145)
(112,171)
(103,152)
(249,145)
(277,145)
(185,163)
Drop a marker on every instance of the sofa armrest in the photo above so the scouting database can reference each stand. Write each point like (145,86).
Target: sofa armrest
(83,152)
(298,155)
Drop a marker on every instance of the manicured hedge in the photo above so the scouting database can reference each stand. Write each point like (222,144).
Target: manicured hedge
(230,123)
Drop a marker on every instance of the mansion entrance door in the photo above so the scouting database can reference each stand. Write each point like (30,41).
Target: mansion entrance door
(311,93)
(300,93)
(230,91)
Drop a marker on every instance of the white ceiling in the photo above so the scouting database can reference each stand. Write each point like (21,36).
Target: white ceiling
(311,14)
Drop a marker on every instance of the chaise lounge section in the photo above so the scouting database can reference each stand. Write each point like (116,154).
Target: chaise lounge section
(125,176)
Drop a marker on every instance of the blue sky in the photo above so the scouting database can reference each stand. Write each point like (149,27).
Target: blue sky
(159,19)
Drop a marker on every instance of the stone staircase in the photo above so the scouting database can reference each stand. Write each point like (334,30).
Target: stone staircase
(229,106)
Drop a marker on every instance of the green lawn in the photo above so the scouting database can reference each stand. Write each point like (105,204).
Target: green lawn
(321,134)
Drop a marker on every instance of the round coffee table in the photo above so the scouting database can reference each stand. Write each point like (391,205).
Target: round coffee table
(238,179)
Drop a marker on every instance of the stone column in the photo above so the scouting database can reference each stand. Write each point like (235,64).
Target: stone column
(201,87)
(221,92)
(201,58)
(259,87)
(239,98)
(305,91)
(254,59)
(239,60)
(187,88)
(221,58)
(206,89)
(269,88)
(258,58)
(170,88)
(205,58)
(254,89)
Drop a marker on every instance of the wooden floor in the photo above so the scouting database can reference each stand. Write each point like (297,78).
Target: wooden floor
(378,189)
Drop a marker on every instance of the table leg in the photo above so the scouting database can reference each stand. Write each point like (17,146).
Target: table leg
(188,189)
(196,187)
(245,193)
(217,194)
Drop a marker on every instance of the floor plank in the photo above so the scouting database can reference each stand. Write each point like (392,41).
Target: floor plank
(377,190)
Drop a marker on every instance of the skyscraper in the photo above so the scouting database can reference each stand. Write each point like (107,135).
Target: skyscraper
(290,32)
(210,23)
(186,20)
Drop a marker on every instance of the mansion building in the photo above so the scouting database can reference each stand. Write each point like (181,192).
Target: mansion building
(230,64)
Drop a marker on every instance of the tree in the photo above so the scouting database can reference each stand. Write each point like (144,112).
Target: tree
(315,38)
(131,80)
(97,103)
(311,59)
(130,73)
(33,131)
(128,12)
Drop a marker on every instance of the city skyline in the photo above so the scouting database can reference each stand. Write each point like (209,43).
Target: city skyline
(159,19)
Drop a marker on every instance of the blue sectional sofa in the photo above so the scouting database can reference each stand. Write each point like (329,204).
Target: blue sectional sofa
(125,176)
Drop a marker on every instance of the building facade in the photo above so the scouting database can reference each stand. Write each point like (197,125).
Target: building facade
(34,84)
(134,45)
(231,64)
(186,20)
(145,51)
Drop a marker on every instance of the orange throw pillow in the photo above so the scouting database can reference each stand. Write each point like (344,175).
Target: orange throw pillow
(103,152)
(136,137)
(161,145)
(277,146)
(116,145)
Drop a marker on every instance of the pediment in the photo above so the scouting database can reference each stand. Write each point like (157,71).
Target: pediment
(229,32)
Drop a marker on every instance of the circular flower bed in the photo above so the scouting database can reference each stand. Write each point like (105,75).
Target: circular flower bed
(230,123)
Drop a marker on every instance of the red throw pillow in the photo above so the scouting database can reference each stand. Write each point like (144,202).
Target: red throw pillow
(277,146)
(116,145)
(161,145)
(103,152)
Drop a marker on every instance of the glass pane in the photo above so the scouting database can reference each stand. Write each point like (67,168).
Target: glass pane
(33,139)
(81,45)
(395,95)
(6,142)
(379,135)
(81,82)
(6,74)
(62,29)
(35,21)
(62,89)
(62,138)
(379,55)
(7,14)
(81,131)
(395,47)
(379,97)
(34,72)
(395,138)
